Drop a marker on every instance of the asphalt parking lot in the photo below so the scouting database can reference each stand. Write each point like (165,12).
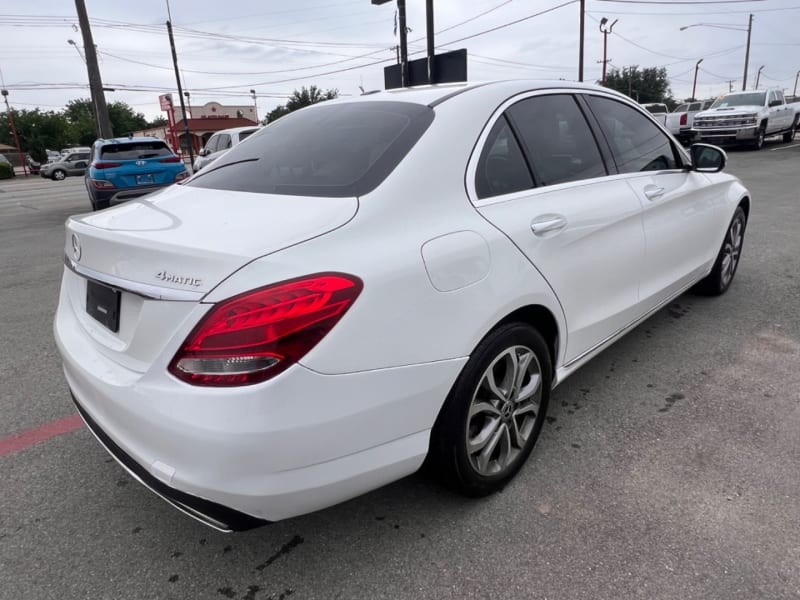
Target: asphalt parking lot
(668,467)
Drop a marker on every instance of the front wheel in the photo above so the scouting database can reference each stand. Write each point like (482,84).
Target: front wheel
(758,144)
(494,413)
(59,175)
(789,135)
(719,280)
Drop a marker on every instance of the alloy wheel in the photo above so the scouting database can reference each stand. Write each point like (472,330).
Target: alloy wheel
(503,411)
(731,250)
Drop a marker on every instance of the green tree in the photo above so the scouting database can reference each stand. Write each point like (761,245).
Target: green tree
(300,99)
(37,131)
(157,122)
(124,120)
(643,85)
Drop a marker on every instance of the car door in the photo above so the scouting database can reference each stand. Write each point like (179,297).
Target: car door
(541,179)
(679,214)
(79,163)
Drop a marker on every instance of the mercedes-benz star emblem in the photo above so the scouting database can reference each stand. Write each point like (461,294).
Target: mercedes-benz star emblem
(76,247)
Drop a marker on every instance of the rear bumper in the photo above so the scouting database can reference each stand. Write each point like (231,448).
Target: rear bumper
(115,196)
(210,513)
(237,457)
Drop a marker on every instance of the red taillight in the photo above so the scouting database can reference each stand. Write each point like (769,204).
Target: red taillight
(101,184)
(106,165)
(170,159)
(181,176)
(684,119)
(254,336)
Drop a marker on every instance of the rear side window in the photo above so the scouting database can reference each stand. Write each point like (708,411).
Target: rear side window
(557,139)
(337,150)
(134,150)
(243,135)
(501,167)
(636,142)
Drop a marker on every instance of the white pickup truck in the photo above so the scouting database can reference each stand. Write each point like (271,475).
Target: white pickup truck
(747,118)
(680,120)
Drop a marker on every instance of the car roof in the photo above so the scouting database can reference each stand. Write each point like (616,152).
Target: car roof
(238,129)
(434,95)
(124,140)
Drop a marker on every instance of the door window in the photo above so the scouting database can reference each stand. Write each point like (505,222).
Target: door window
(501,167)
(211,145)
(636,142)
(224,142)
(557,139)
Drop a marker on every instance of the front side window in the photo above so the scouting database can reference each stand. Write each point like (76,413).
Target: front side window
(501,167)
(211,144)
(636,142)
(224,141)
(557,139)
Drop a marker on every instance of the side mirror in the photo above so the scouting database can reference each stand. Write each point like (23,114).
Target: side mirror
(203,152)
(707,158)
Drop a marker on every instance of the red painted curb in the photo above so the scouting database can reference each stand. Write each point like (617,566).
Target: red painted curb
(44,432)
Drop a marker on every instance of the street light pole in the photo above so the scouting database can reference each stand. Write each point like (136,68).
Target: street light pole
(605,31)
(747,53)
(694,85)
(580,44)
(255,103)
(758,76)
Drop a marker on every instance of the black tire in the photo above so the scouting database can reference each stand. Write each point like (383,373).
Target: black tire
(510,430)
(719,280)
(758,144)
(58,175)
(789,135)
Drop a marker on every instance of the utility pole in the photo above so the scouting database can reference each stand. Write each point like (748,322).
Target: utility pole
(730,85)
(401,13)
(605,31)
(255,103)
(747,53)
(694,85)
(580,44)
(95,82)
(429,27)
(10,114)
(796,77)
(180,93)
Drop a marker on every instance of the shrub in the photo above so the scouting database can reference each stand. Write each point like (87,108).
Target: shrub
(6,171)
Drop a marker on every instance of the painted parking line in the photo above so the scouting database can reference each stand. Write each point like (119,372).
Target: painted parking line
(23,440)
(784,147)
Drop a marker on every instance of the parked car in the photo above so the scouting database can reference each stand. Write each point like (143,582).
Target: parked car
(34,166)
(7,166)
(680,120)
(127,168)
(747,118)
(372,281)
(219,143)
(658,110)
(72,163)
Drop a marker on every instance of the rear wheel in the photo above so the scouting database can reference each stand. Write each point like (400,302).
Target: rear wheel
(59,175)
(719,280)
(494,413)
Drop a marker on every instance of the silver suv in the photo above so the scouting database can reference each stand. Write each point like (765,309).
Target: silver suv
(219,143)
(73,163)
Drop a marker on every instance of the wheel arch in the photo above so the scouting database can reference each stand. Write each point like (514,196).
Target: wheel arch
(543,320)
(745,204)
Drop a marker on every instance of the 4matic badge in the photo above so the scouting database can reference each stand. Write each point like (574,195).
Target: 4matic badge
(179,279)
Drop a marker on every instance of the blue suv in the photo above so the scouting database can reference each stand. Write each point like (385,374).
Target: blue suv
(126,168)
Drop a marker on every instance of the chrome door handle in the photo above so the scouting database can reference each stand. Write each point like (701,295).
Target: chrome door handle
(652,192)
(545,223)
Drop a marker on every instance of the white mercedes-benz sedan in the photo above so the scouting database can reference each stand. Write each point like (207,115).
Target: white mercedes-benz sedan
(373,282)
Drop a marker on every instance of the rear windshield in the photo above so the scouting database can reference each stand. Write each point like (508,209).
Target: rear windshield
(134,150)
(754,99)
(337,150)
(656,108)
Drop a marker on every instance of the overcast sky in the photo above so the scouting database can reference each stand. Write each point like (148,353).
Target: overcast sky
(275,46)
